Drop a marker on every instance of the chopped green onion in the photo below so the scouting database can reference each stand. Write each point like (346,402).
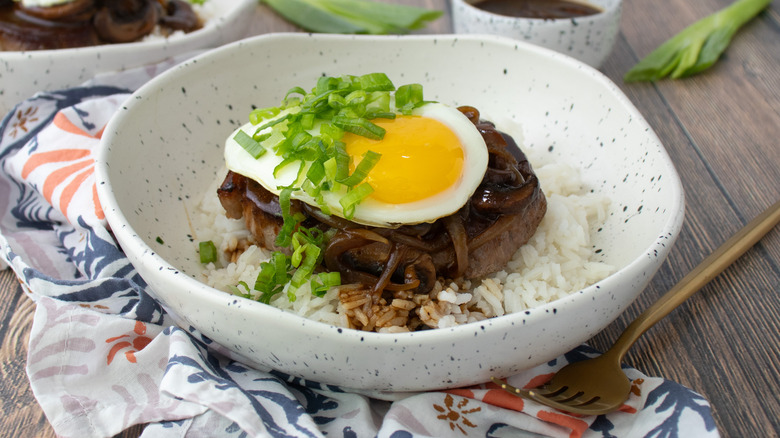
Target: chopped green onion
(307,120)
(208,252)
(330,167)
(336,101)
(159,240)
(354,197)
(376,82)
(370,158)
(308,245)
(300,140)
(273,141)
(330,133)
(272,277)
(255,149)
(325,83)
(324,208)
(360,127)
(281,267)
(408,97)
(282,165)
(284,238)
(237,291)
(312,190)
(342,161)
(324,281)
(318,102)
(264,283)
(260,114)
(356,97)
(377,102)
(316,172)
(274,122)
(306,265)
(380,115)
(294,90)
(260,138)
(299,250)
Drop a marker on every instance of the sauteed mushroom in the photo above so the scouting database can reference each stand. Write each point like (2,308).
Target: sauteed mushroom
(123,21)
(80,23)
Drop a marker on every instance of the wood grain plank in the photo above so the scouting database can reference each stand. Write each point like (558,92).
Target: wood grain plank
(732,124)
(22,416)
(714,345)
(732,111)
(725,337)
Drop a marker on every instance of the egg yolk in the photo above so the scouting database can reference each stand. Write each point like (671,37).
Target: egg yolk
(421,157)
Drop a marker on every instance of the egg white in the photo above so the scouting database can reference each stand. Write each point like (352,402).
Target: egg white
(372,212)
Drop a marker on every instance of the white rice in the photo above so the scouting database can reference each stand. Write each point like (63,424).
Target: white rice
(557,261)
(206,11)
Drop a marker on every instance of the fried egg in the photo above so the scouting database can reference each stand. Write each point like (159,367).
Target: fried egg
(431,163)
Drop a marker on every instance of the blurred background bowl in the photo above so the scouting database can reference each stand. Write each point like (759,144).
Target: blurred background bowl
(163,151)
(588,38)
(22,74)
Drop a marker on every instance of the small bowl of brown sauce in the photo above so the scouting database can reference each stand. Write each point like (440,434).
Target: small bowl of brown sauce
(583,29)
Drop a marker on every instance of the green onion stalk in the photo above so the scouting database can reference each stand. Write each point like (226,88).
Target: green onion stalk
(353,16)
(697,47)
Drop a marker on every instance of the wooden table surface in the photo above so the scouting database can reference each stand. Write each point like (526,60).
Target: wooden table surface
(722,129)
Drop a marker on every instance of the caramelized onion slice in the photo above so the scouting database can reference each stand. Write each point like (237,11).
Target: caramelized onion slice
(397,254)
(511,200)
(179,15)
(69,12)
(457,233)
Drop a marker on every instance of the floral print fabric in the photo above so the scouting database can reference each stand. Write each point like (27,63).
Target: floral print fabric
(103,355)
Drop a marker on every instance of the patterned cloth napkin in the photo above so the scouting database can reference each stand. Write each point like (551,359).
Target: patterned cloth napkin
(104,355)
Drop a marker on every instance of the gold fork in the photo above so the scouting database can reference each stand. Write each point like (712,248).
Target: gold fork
(598,386)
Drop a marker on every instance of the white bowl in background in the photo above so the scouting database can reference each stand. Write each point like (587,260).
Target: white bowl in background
(164,149)
(589,39)
(22,74)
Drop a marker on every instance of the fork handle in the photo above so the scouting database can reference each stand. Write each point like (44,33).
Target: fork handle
(708,269)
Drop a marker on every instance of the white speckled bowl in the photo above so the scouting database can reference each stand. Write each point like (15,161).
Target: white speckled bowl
(24,73)
(163,150)
(589,39)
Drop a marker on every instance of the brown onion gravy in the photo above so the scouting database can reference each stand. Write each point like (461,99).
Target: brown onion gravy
(538,8)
